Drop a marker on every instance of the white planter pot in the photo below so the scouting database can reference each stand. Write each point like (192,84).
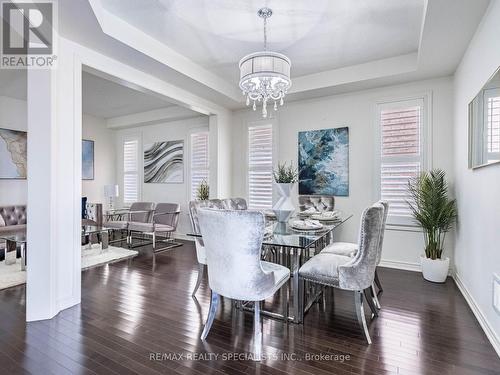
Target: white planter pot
(435,270)
(284,207)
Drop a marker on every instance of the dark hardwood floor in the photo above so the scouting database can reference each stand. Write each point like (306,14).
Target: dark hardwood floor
(133,321)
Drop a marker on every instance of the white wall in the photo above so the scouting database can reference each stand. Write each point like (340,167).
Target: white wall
(477,251)
(357,111)
(13,115)
(94,128)
(164,193)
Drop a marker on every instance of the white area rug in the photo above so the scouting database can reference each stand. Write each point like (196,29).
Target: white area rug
(12,275)
(95,257)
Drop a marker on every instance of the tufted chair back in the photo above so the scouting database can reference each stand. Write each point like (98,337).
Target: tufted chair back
(94,212)
(13,215)
(172,218)
(385,204)
(194,207)
(142,217)
(320,202)
(233,240)
(235,204)
(359,273)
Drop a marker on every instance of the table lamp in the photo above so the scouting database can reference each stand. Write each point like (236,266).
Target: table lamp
(110,192)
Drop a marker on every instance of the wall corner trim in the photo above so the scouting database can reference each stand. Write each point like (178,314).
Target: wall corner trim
(481,318)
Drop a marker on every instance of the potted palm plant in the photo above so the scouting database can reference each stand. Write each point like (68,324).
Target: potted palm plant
(435,212)
(284,177)
(203,190)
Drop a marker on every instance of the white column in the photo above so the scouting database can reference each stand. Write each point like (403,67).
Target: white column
(54,188)
(220,133)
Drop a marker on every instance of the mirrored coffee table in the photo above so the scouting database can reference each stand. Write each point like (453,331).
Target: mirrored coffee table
(12,242)
(100,231)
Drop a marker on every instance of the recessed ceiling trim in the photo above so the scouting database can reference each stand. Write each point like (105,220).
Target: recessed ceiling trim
(156,116)
(120,30)
(356,73)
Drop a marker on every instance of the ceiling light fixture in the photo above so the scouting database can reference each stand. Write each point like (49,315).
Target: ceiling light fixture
(265,75)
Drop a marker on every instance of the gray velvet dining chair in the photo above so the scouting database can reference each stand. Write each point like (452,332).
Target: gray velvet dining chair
(233,242)
(356,273)
(235,204)
(201,257)
(350,249)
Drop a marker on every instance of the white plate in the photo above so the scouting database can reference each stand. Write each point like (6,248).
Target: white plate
(321,217)
(305,227)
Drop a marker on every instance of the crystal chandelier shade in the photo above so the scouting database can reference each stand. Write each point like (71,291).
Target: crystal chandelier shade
(265,75)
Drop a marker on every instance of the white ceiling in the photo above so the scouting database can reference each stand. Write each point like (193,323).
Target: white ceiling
(206,68)
(317,35)
(106,99)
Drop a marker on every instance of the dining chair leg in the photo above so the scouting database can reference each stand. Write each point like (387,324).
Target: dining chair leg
(257,332)
(375,298)
(360,312)
(369,299)
(377,282)
(285,296)
(154,251)
(214,301)
(300,300)
(201,271)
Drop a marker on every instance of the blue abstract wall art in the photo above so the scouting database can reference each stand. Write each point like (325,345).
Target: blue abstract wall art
(87,160)
(324,162)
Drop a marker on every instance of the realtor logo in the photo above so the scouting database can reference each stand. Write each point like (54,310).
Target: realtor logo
(28,35)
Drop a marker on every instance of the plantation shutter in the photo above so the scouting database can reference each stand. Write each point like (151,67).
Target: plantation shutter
(492,98)
(401,156)
(130,171)
(199,161)
(260,166)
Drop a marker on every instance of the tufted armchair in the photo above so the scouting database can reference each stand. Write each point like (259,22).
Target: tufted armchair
(93,214)
(233,239)
(356,273)
(12,221)
(320,203)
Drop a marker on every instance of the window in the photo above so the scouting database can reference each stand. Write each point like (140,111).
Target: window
(492,131)
(401,127)
(199,161)
(260,166)
(130,171)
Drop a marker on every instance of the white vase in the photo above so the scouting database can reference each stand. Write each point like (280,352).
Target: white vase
(435,270)
(284,207)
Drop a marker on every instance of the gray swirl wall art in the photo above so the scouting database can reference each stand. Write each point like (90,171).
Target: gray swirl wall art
(164,162)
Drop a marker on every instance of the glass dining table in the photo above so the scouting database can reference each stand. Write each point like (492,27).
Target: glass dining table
(282,244)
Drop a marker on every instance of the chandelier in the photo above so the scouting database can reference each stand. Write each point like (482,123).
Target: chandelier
(265,75)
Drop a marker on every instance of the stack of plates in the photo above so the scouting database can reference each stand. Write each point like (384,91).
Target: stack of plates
(327,216)
(306,224)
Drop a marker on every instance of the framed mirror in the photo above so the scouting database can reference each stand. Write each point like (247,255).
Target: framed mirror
(484,125)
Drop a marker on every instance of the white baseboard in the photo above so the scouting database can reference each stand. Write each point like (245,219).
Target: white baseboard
(400,265)
(476,310)
(185,237)
(406,266)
